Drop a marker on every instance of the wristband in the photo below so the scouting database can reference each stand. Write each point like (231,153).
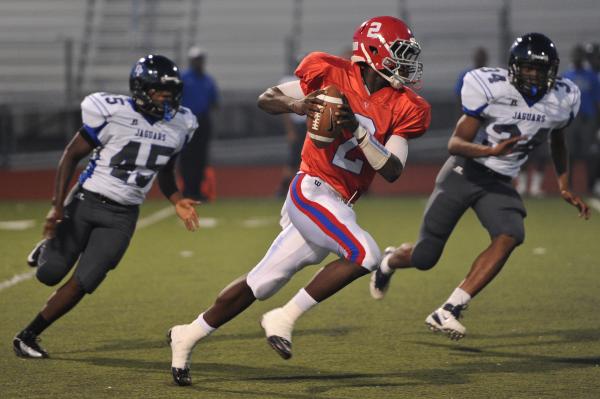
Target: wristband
(377,155)
(360,133)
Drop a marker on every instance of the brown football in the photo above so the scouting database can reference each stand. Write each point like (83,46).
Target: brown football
(322,129)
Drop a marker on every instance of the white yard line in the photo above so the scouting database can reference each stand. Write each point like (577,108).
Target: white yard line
(156,217)
(142,223)
(256,222)
(16,279)
(17,225)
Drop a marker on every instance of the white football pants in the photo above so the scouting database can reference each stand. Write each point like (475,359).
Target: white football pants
(315,222)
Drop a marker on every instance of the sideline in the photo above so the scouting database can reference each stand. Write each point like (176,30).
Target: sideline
(142,223)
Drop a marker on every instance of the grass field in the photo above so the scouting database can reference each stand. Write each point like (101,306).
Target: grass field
(533,333)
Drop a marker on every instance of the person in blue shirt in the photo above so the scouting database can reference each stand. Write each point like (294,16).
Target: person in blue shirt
(593,58)
(582,138)
(200,95)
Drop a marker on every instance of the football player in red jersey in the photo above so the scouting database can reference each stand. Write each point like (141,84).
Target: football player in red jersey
(378,117)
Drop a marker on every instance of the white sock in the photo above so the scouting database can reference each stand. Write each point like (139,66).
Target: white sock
(199,328)
(522,183)
(298,305)
(459,297)
(384,266)
(537,178)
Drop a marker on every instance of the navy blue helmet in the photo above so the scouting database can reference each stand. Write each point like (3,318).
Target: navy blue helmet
(156,73)
(537,51)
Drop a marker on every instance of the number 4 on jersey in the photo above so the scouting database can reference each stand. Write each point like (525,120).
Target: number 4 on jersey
(124,164)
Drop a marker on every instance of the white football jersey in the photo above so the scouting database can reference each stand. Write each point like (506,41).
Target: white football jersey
(130,147)
(488,95)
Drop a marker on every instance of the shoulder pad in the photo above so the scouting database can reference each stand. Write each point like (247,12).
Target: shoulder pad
(188,118)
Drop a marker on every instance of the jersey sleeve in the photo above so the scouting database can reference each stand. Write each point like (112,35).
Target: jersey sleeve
(95,118)
(474,95)
(415,120)
(459,83)
(574,101)
(311,72)
(191,124)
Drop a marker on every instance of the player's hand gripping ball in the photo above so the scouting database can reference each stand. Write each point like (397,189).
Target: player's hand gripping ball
(321,126)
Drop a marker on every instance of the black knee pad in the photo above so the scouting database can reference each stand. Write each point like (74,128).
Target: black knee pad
(90,279)
(50,275)
(426,254)
(519,236)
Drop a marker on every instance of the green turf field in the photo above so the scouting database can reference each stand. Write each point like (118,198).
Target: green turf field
(533,333)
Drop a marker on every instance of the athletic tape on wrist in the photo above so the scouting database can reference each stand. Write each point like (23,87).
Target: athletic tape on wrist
(360,132)
(376,154)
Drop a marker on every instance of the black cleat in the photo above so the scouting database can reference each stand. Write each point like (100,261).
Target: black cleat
(181,376)
(280,345)
(25,344)
(380,282)
(34,255)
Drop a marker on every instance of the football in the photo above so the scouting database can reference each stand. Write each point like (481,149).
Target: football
(322,129)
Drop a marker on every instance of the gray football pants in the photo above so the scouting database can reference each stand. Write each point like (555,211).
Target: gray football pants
(93,231)
(462,184)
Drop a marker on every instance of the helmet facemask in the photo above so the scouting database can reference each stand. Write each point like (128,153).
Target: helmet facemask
(403,66)
(164,109)
(151,74)
(400,66)
(533,51)
(533,87)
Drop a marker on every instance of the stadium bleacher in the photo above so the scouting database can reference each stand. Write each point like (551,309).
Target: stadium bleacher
(52,52)
(246,40)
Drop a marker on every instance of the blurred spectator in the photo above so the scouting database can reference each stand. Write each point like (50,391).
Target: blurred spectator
(593,57)
(480,59)
(582,136)
(346,52)
(295,133)
(531,177)
(592,52)
(200,94)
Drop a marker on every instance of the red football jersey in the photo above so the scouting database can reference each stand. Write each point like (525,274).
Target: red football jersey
(384,113)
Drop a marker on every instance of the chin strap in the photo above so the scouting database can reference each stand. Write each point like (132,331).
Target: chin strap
(534,94)
(394,82)
(534,91)
(167,115)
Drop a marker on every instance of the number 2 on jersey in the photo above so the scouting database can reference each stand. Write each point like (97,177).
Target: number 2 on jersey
(340,159)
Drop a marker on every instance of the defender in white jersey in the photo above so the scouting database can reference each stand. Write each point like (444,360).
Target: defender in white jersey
(132,140)
(506,114)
